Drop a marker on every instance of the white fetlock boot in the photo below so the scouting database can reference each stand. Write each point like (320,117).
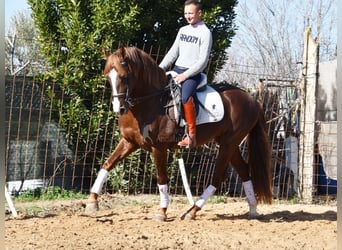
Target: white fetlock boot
(164,202)
(97,188)
(250,196)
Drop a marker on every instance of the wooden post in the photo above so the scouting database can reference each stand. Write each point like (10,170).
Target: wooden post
(308,116)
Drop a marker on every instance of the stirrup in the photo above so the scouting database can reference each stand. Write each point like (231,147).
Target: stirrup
(186,142)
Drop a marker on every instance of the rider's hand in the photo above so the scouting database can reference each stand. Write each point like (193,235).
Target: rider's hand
(180,78)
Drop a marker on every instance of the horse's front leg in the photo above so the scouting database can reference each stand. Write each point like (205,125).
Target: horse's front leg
(160,160)
(222,162)
(122,150)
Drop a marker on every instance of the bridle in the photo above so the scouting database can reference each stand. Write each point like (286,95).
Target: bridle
(130,102)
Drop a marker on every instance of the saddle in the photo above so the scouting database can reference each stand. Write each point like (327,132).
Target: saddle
(209,106)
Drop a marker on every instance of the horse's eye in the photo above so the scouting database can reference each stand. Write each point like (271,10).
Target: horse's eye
(124,64)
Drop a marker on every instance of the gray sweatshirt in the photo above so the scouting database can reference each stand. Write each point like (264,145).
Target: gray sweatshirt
(191,49)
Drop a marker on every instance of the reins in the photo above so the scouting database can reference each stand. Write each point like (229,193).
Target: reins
(134,101)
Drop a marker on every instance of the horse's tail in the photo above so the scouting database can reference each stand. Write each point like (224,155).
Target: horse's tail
(259,160)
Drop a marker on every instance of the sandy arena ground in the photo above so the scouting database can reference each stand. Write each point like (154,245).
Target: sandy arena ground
(127,223)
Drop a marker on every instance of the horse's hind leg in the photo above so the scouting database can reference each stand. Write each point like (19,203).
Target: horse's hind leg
(122,150)
(222,162)
(243,170)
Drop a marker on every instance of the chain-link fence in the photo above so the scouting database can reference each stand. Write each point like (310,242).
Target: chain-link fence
(40,151)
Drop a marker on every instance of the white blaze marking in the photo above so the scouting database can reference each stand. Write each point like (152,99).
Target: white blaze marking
(115,102)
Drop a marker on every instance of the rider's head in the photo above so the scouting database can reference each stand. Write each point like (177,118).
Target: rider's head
(193,11)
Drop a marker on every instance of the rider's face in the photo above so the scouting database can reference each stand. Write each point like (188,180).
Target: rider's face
(192,14)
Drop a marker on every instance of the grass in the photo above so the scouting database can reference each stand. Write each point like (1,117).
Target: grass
(216,199)
(294,200)
(34,210)
(49,193)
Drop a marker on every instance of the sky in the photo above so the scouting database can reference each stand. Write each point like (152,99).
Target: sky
(12,7)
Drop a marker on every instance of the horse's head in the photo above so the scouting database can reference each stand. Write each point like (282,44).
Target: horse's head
(133,75)
(118,73)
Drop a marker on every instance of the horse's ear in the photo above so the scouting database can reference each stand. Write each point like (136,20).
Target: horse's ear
(106,53)
(122,51)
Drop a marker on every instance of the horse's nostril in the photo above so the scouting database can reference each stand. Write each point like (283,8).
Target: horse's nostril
(123,109)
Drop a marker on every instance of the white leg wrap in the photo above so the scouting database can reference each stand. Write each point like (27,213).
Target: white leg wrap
(100,180)
(249,191)
(164,195)
(205,196)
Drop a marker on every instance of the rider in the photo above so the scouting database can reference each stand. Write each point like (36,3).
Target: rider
(190,52)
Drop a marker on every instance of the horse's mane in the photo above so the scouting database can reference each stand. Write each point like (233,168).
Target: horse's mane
(141,65)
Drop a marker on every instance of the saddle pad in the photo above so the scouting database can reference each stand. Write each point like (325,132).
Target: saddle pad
(214,110)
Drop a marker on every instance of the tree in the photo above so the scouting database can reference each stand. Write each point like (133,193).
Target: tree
(270,35)
(72,34)
(160,21)
(22,52)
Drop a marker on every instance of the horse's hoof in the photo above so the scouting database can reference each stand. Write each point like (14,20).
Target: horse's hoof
(160,217)
(189,217)
(91,207)
(253,215)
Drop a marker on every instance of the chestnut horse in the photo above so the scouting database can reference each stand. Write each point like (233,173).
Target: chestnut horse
(138,90)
